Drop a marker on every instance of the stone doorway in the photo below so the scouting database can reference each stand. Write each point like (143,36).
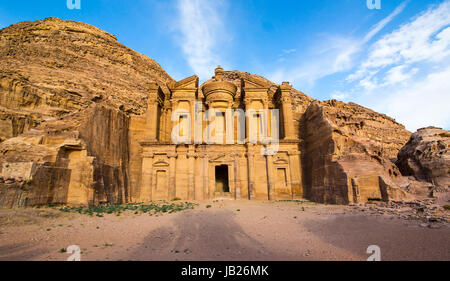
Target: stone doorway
(222,183)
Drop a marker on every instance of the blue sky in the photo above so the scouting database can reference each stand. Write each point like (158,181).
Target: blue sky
(395,60)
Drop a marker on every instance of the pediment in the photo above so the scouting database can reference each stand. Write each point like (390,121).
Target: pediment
(253,84)
(220,158)
(187,83)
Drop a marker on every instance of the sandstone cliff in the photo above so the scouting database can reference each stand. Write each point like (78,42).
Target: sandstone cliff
(53,68)
(426,156)
(347,153)
(67,90)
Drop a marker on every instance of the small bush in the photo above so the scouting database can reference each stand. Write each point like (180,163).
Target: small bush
(421,209)
(447,207)
(208,206)
(136,208)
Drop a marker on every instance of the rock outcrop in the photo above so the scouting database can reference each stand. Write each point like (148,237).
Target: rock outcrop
(52,68)
(426,156)
(348,152)
(67,90)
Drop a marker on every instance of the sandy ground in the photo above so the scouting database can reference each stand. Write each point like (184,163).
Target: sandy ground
(229,230)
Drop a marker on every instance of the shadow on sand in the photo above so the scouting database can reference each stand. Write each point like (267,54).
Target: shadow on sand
(201,236)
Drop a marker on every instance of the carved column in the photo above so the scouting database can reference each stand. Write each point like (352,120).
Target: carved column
(163,135)
(198,177)
(296,174)
(286,107)
(191,180)
(172,175)
(152,118)
(237,178)
(270,179)
(169,126)
(206,194)
(251,181)
(265,129)
(211,183)
(147,171)
(247,120)
(191,119)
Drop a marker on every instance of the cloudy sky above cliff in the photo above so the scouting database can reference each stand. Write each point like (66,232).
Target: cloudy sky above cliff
(395,60)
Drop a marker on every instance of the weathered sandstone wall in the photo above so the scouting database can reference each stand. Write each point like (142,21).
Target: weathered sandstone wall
(347,152)
(67,91)
(426,156)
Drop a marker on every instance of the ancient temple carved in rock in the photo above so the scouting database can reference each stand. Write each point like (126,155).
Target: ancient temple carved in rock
(114,127)
(199,169)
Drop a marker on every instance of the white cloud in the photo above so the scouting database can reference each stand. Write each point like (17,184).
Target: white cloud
(289,51)
(379,26)
(398,74)
(419,104)
(425,39)
(338,95)
(201,26)
(285,53)
(334,57)
(337,55)
(406,73)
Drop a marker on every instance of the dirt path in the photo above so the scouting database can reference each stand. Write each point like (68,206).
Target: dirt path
(229,230)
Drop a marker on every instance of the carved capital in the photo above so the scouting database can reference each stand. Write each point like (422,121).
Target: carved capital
(192,155)
(172,155)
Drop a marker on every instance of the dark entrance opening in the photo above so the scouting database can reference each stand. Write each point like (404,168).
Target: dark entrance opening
(222,179)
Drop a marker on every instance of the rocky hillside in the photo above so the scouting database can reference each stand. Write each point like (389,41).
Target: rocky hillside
(349,149)
(53,68)
(66,92)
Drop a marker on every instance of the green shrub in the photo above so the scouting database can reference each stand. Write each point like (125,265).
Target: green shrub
(136,208)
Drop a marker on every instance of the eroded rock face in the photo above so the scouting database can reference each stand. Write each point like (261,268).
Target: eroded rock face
(52,68)
(67,91)
(426,156)
(347,153)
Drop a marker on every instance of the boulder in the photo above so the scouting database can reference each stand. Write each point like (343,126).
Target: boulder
(426,156)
